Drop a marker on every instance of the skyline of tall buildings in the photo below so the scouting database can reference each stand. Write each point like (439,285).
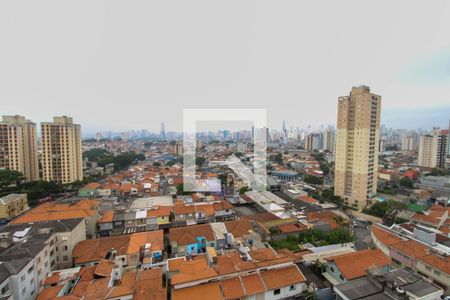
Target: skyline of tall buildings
(357,141)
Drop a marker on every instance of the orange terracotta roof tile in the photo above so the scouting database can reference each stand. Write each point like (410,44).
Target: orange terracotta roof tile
(292,228)
(192,270)
(96,249)
(180,208)
(356,264)
(436,261)
(49,292)
(159,211)
(188,235)
(253,284)
(238,228)
(385,237)
(104,268)
(209,290)
(277,278)
(106,217)
(232,288)
(50,211)
(410,248)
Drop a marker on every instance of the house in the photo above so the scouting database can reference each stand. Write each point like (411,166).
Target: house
(345,267)
(12,205)
(401,284)
(191,239)
(126,249)
(105,223)
(158,217)
(264,274)
(105,280)
(87,209)
(427,259)
(89,190)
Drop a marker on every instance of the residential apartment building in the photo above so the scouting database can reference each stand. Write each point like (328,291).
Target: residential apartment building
(12,205)
(433,149)
(18,146)
(357,141)
(328,140)
(61,150)
(30,251)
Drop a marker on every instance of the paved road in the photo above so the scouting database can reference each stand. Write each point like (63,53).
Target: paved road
(362,235)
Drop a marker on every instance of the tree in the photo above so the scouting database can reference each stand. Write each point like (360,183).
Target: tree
(243,189)
(406,182)
(223,178)
(10,177)
(313,179)
(199,161)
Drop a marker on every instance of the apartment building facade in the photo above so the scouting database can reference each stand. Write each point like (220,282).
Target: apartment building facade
(357,140)
(61,150)
(18,146)
(433,149)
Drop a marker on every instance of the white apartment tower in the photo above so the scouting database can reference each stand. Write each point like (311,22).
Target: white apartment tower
(433,149)
(357,143)
(61,150)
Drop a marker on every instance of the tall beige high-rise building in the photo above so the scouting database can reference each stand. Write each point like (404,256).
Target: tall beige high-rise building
(356,153)
(433,149)
(61,150)
(18,146)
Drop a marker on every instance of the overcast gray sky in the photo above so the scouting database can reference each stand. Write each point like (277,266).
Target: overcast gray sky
(132,64)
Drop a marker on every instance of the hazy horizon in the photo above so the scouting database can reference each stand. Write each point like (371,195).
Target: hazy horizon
(120,66)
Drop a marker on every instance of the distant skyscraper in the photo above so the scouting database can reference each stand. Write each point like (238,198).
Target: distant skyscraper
(328,140)
(61,150)
(18,146)
(357,142)
(433,149)
(163,131)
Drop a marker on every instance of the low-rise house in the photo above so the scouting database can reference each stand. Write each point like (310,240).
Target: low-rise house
(12,205)
(105,223)
(263,274)
(87,209)
(195,239)
(429,258)
(159,216)
(349,266)
(402,284)
(127,249)
(89,190)
(191,239)
(106,280)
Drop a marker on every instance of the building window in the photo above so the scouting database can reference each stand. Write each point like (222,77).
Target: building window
(292,287)
(332,269)
(341,277)
(277,292)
